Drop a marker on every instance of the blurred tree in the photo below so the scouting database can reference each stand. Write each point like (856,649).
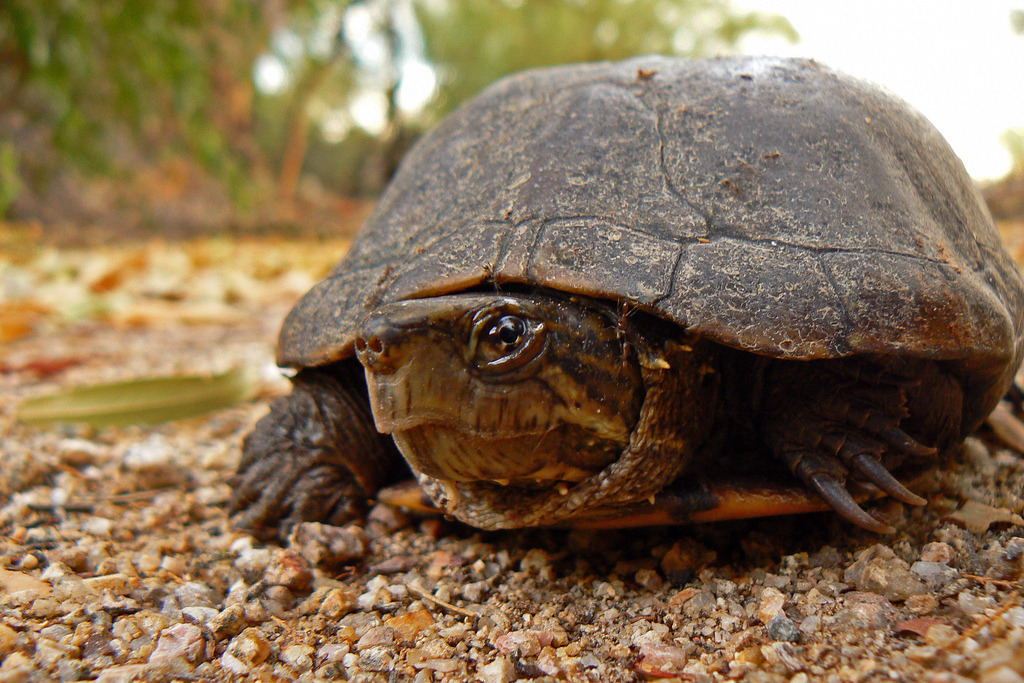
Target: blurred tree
(474,42)
(168,96)
(103,84)
(411,61)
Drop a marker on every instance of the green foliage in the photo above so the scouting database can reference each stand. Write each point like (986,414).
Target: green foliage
(119,78)
(474,42)
(1017,21)
(11,184)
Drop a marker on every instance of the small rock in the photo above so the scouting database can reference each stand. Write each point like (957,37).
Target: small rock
(233,664)
(173,565)
(289,569)
(972,604)
(229,622)
(937,552)
(194,594)
(934,574)
(329,546)
(337,603)
(832,589)
(535,561)
(15,582)
(649,579)
(922,604)
(118,584)
(298,657)
(878,570)
(200,615)
(410,624)
(500,670)
(250,646)
(661,660)
(252,562)
(181,642)
(772,602)
(332,652)
(811,624)
(864,615)
(377,658)
(385,519)
(1014,549)
(125,673)
(701,603)
(521,643)
(377,636)
(940,635)
(476,591)
(97,526)
(278,599)
(783,628)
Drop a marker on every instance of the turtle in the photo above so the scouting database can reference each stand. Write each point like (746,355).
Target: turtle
(647,292)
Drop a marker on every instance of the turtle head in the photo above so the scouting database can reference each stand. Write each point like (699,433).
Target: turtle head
(527,390)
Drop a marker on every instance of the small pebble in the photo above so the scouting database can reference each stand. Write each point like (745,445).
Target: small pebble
(782,628)
(298,657)
(535,561)
(772,602)
(250,647)
(180,642)
(700,604)
(289,569)
(500,670)
(519,643)
(934,574)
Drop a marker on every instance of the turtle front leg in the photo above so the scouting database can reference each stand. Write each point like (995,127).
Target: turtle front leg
(315,457)
(831,421)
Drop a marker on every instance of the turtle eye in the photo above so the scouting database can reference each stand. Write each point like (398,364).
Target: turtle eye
(506,333)
(505,342)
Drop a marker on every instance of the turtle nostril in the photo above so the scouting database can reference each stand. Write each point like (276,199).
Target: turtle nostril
(372,352)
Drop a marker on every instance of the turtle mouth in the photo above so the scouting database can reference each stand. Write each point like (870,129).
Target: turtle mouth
(486,441)
(452,455)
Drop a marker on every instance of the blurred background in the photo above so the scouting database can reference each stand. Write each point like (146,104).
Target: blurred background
(190,117)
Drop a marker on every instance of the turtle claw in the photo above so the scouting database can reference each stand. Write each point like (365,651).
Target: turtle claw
(897,438)
(836,495)
(880,477)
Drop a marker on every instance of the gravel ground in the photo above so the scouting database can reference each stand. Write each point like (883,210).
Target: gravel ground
(119,562)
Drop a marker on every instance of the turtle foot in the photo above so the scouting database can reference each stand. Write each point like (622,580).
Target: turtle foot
(315,457)
(845,428)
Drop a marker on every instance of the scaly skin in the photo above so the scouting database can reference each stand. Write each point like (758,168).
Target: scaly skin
(440,374)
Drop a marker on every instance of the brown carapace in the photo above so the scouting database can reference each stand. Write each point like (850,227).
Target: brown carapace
(719,288)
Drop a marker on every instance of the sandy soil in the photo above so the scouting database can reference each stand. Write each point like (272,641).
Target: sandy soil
(119,562)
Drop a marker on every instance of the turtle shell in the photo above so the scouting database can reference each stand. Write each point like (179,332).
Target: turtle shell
(772,205)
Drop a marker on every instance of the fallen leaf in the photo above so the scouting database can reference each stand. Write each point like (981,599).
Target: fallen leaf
(142,401)
(918,626)
(1007,426)
(43,367)
(977,517)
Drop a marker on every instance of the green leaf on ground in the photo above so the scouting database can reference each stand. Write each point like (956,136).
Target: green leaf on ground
(142,401)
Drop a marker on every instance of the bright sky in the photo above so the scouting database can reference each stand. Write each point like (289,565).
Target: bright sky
(957,61)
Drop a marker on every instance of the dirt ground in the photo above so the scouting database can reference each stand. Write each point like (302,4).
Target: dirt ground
(119,561)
